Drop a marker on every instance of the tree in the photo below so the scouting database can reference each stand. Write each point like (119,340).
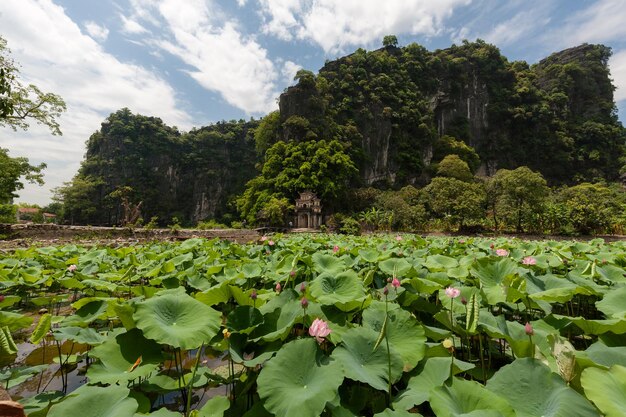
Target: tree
(390,40)
(516,194)
(11,170)
(592,208)
(21,104)
(454,167)
(455,200)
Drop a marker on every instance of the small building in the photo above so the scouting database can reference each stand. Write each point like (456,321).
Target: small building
(27,214)
(49,218)
(308,211)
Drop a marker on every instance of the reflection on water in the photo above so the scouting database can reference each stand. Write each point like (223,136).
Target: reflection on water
(75,358)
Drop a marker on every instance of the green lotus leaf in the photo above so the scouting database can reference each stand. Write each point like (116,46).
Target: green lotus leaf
(90,401)
(14,321)
(612,305)
(550,288)
(323,263)
(87,313)
(405,334)
(396,413)
(342,288)
(86,335)
(431,373)
(118,356)
(492,273)
(15,376)
(607,389)
(215,407)
(440,263)
(161,412)
(9,300)
(244,319)
(538,391)
(43,327)
(39,405)
(257,354)
(361,362)
(215,295)
(468,398)
(369,255)
(395,266)
(597,327)
(299,380)
(177,320)
(605,355)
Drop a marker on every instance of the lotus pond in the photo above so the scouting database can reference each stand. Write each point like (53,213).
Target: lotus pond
(310,325)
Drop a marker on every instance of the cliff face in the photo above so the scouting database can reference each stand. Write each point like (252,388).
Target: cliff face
(191,176)
(400,100)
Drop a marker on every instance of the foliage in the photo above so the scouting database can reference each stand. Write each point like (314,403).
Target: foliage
(12,170)
(591,208)
(7,213)
(514,194)
(19,104)
(454,167)
(156,319)
(458,202)
(447,145)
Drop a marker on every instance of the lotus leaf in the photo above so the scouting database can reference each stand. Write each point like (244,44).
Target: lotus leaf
(90,401)
(404,333)
(538,391)
(177,320)
(299,380)
(459,397)
(361,362)
(341,289)
(124,357)
(607,389)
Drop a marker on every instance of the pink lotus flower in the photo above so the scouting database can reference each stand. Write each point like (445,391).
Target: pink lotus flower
(335,249)
(398,238)
(271,243)
(528,328)
(263,238)
(72,268)
(529,260)
(319,330)
(278,287)
(502,252)
(395,283)
(453,292)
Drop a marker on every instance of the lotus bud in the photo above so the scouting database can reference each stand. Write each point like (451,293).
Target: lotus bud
(335,249)
(386,290)
(226,333)
(304,302)
(292,273)
(302,286)
(72,268)
(253,295)
(528,328)
(1,298)
(395,283)
(278,287)
(492,246)
(271,243)
(464,301)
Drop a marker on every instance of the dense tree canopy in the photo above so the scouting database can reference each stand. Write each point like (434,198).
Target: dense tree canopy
(11,170)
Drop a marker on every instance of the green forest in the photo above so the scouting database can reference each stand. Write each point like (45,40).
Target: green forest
(399,138)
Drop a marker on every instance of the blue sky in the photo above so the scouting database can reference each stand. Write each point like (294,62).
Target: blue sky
(193,62)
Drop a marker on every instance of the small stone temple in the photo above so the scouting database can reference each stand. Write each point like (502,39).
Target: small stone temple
(308,211)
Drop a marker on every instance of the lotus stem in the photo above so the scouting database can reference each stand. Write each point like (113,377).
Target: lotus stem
(482,357)
(193,375)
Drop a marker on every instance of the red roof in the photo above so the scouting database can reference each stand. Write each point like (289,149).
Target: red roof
(28,210)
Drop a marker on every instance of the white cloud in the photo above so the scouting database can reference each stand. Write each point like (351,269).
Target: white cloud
(96,31)
(223,59)
(617,64)
(131,27)
(602,21)
(336,25)
(289,71)
(520,26)
(241,3)
(57,57)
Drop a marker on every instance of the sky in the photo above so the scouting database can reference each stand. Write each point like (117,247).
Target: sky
(196,62)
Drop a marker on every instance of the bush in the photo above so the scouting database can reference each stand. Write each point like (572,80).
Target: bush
(211,224)
(350,227)
(8,213)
